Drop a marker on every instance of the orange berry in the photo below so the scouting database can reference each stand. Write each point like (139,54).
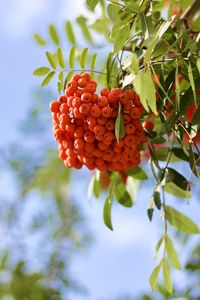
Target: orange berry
(130,128)
(110,125)
(76,77)
(78,93)
(79,132)
(62,99)
(99,129)
(107,111)
(109,136)
(84,108)
(82,82)
(130,140)
(127,118)
(86,76)
(77,114)
(72,86)
(103,101)
(79,144)
(76,102)
(98,153)
(95,98)
(135,113)
(148,125)
(54,106)
(64,108)
(105,92)
(69,101)
(89,137)
(108,154)
(71,129)
(102,146)
(91,120)
(89,147)
(124,98)
(86,97)
(99,137)
(91,87)
(101,120)
(65,119)
(95,110)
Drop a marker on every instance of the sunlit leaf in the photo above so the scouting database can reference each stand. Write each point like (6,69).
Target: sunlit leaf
(119,125)
(137,173)
(171,252)
(61,58)
(70,32)
(39,40)
(72,57)
(191,78)
(167,276)
(48,78)
(54,35)
(154,277)
(122,196)
(180,221)
(83,58)
(51,59)
(91,4)
(107,213)
(41,71)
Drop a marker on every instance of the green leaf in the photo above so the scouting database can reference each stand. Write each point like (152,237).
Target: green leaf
(122,196)
(70,32)
(150,213)
(167,276)
(51,59)
(177,87)
(82,22)
(140,90)
(156,199)
(93,60)
(72,57)
(173,189)
(198,64)
(154,277)
(177,178)
(172,254)
(83,58)
(54,35)
(107,213)
(60,58)
(48,78)
(41,71)
(91,4)
(159,34)
(113,11)
(119,125)
(137,173)
(180,221)
(159,243)
(150,91)
(39,40)
(191,78)
(121,37)
(94,187)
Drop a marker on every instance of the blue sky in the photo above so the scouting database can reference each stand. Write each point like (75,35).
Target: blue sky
(120,261)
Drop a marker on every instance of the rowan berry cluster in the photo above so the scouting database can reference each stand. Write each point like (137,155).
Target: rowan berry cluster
(84,126)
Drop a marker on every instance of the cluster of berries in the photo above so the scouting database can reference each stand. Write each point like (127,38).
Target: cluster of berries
(84,126)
